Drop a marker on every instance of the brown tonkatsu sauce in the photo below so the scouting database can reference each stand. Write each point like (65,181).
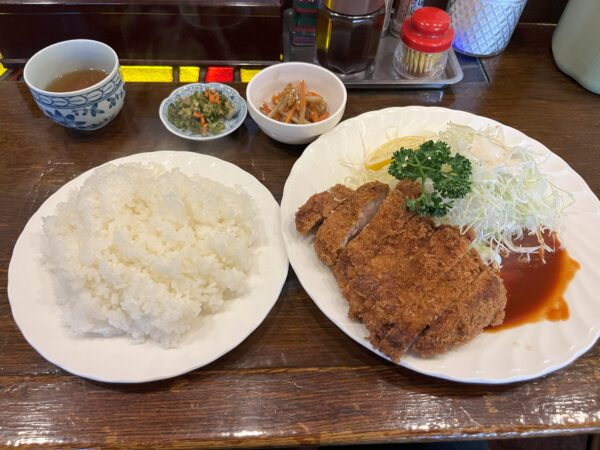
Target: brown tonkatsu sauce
(535,287)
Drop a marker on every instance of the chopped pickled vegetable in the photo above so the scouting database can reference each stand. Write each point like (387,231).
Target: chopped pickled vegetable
(202,113)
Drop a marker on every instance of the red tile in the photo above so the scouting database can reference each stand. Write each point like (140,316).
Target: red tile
(219,75)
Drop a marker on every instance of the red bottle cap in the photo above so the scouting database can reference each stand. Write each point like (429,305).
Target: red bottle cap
(428,30)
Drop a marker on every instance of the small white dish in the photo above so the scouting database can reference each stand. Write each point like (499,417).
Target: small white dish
(273,79)
(119,359)
(86,109)
(185,91)
(515,354)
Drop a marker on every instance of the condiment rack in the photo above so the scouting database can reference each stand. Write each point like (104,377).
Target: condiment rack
(383,74)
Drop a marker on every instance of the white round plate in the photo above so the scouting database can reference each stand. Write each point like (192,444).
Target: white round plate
(118,359)
(516,354)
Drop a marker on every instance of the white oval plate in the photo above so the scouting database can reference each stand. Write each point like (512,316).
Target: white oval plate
(118,359)
(511,355)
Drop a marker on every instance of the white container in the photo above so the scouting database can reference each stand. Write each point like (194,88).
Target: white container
(273,79)
(86,109)
(484,27)
(576,43)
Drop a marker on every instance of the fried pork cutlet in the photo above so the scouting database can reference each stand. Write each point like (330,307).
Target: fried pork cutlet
(405,303)
(348,219)
(411,283)
(481,305)
(435,302)
(374,237)
(319,206)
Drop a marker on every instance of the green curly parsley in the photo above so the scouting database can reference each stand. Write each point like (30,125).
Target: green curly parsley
(450,176)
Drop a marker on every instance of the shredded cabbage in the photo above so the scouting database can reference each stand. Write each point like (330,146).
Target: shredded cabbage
(509,195)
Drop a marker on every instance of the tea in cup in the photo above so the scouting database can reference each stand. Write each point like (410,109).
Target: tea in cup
(76,83)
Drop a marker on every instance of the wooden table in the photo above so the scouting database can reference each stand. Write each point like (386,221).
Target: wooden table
(297,379)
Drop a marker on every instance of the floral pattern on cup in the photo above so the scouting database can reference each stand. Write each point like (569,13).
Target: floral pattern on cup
(89,108)
(85,111)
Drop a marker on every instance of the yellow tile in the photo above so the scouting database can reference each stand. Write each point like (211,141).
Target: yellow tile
(247,74)
(147,74)
(189,74)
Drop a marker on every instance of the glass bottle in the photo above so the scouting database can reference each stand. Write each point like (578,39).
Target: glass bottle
(425,39)
(348,34)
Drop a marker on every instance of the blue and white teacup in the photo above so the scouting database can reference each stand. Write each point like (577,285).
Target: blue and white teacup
(86,109)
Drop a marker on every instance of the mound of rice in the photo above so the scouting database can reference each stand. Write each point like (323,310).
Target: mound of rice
(143,251)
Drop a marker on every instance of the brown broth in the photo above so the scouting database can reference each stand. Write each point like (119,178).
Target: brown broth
(535,288)
(76,80)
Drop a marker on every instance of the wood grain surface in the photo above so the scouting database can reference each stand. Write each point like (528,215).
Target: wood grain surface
(297,379)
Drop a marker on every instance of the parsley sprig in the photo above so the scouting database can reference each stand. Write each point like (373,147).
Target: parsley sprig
(450,176)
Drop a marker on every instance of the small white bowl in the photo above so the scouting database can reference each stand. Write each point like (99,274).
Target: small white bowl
(273,79)
(185,91)
(86,109)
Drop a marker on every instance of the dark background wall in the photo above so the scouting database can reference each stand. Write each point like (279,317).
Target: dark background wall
(171,30)
(536,11)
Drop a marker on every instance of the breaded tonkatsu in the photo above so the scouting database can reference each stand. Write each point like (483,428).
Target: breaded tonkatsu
(411,283)
(348,219)
(405,302)
(374,237)
(481,305)
(319,206)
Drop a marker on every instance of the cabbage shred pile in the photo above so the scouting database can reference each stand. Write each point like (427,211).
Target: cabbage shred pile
(509,196)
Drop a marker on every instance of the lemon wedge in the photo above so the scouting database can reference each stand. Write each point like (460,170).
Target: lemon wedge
(382,155)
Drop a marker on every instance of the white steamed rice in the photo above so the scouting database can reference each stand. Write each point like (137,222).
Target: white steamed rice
(142,251)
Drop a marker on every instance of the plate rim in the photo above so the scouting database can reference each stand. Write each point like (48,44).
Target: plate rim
(170,373)
(302,277)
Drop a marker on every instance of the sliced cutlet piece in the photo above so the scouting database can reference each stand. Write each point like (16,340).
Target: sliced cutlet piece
(391,263)
(389,220)
(319,206)
(402,306)
(436,301)
(348,219)
(481,305)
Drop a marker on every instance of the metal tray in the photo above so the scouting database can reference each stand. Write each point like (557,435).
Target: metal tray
(383,74)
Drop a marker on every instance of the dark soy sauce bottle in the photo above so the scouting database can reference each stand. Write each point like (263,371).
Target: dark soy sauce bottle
(348,34)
